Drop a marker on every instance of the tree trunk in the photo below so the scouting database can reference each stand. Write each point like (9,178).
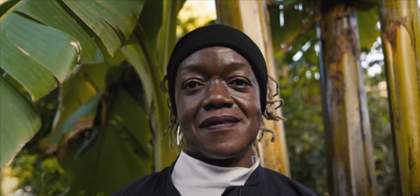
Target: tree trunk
(348,136)
(401,44)
(252,18)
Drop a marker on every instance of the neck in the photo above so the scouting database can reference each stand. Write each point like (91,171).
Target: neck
(243,160)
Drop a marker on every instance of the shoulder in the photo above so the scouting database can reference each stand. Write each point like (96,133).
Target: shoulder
(149,185)
(277,181)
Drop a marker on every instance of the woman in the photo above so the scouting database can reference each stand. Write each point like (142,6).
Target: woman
(217,81)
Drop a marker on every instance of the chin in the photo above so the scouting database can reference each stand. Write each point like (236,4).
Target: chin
(226,151)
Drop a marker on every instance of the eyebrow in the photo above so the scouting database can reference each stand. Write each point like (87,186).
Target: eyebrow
(190,68)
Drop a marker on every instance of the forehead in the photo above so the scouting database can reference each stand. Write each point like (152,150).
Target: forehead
(214,58)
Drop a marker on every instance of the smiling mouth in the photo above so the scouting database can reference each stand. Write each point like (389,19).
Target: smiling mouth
(219,122)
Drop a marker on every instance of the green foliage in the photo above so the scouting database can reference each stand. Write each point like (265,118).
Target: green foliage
(367,21)
(79,97)
(304,126)
(26,59)
(41,175)
(18,122)
(150,55)
(105,111)
(52,14)
(112,154)
(37,48)
(299,75)
(136,56)
(112,21)
(383,144)
(300,89)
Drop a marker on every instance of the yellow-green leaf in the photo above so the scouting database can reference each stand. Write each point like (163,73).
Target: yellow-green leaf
(18,122)
(51,13)
(112,21)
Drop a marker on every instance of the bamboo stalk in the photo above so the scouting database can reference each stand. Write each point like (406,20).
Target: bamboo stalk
(348,135)
(401,44)
(252,18)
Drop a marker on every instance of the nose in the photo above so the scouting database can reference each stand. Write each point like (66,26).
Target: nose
(218,96)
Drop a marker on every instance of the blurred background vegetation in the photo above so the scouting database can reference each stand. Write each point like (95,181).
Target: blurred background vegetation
(87,146)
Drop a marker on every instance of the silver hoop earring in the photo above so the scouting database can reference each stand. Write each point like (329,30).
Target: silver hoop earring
(260,135)
(178,135)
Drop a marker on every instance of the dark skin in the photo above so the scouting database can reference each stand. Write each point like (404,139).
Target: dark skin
(218,106)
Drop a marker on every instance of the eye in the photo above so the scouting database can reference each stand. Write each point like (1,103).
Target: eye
(239,82)
(192,84)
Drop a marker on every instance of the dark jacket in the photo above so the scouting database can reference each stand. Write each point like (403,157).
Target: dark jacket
(262,182)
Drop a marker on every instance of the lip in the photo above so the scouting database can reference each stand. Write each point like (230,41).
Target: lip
(219,122)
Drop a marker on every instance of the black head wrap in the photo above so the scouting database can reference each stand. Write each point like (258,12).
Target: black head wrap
(218,35)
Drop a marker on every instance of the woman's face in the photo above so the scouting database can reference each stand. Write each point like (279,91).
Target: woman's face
(218,105)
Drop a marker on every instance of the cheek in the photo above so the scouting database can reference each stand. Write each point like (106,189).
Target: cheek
(253,111)
(250,105)
(186,111)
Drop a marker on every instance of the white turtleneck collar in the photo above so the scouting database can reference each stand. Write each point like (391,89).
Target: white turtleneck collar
(193,177)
